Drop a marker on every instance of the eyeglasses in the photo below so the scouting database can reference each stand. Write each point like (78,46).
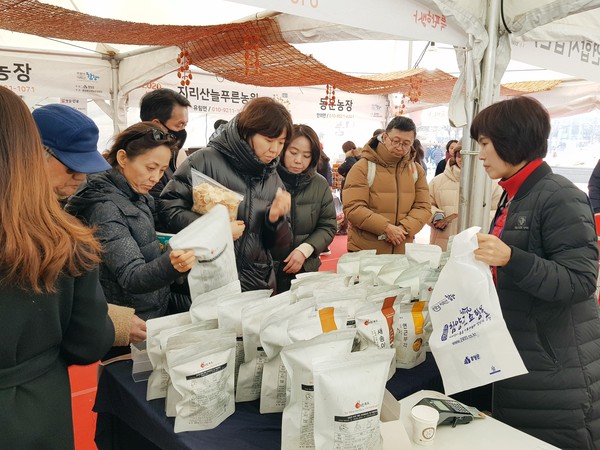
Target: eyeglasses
(51,153)
(399,142)
(157,136)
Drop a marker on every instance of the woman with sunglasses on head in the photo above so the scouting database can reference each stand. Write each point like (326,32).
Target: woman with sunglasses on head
(133,271)
(243,158)
(313,212)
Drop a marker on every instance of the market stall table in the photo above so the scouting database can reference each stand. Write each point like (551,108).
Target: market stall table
(127,421)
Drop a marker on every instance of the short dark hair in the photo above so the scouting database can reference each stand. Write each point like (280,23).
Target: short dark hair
(159,103)
(265,116)
(315,145)
(348,146)
(219,122)
(518,128)
(401,123)
(138,139)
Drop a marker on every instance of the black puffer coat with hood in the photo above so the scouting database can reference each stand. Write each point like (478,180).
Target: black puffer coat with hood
(231,161)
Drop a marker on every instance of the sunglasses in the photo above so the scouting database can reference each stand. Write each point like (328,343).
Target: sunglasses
(157,136)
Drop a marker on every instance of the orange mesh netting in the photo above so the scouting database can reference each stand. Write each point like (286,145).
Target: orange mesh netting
(252,52)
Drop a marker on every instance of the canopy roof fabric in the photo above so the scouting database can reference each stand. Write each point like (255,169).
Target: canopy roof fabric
(252,52)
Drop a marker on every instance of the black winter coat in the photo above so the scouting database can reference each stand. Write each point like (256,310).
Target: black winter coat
(547,295)
(41,335)
(594,188)
(312,218)
(232,162)
(133,271)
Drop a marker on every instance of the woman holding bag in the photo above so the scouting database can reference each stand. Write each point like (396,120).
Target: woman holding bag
(243,158)
(544,256)
(134,272)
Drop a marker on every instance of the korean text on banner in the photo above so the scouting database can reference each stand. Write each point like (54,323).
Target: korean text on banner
(470,341)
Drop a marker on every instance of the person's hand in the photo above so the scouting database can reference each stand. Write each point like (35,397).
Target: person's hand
(440,224)
(280,206)
(237,229)
(492,250)
(396,234)
(137,330)
(182,260)
(294,261)
(339,218)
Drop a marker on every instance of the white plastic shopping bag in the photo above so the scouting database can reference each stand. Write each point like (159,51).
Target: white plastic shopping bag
(470,341)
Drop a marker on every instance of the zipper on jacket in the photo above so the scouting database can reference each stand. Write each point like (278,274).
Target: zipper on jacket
(247,224)
(397,198)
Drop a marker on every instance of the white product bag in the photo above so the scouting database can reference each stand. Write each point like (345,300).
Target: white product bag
(210,238)
(297,420)
(348,397)
(273,337)
(157,380)
(411,334)
(470,341)
(197,333)
(203,375)
(163,336)
(250,374)
(204,306)
(350,262)
(302,328)
(424,253)
(229,312)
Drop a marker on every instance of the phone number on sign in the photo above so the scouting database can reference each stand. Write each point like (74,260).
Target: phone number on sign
(21,89)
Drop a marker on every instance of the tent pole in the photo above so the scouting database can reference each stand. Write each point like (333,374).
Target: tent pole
(114,102)
(468,151)
(479,210)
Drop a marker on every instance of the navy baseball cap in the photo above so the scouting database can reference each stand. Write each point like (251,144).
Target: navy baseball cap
(71,136)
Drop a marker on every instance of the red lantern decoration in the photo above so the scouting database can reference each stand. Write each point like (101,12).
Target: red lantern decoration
(184,73)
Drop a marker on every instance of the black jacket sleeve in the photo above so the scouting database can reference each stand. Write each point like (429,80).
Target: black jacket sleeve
(176,200)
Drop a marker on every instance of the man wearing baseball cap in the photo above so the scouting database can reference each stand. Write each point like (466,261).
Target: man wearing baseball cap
(71,142)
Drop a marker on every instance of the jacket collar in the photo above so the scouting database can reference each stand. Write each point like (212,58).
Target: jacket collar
(239,153)
(295,181)
(520,182)
(377,152)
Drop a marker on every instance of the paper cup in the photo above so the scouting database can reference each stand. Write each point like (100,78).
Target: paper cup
(424,423)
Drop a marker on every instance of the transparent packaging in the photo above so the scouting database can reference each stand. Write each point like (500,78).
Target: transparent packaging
(207,193)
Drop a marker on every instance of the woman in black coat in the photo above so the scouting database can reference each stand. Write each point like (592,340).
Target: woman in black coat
(313,212)
(52,312)
(544,256)
(243,158)
(134,272)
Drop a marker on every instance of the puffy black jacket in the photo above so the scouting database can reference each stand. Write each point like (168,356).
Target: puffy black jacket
(232,162)
(133,271)
(312,218)
(547,295)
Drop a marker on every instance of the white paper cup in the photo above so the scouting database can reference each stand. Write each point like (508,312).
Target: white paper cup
(424,423)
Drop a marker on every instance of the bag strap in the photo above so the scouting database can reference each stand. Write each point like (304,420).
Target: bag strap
(371,167)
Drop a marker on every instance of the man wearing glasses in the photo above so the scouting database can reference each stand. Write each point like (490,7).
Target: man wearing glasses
(70,139)
(71,142)
(386,196)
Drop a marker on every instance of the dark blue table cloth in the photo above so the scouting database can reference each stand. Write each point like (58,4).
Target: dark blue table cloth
(127,421)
